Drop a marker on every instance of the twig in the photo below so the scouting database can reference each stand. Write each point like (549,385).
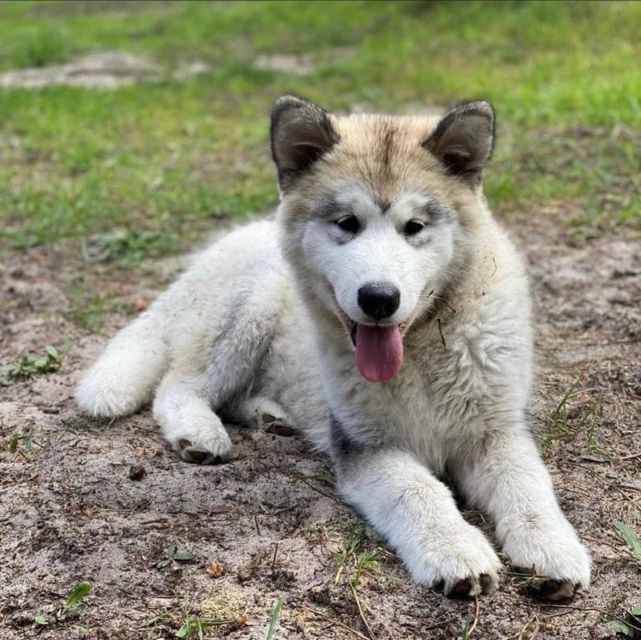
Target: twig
(632,456)
(476,617)
(534,631)
(596,460)
(311,486)
(257,525)
(631,500)
(274,556)
(601,611)
(440,330)
(358,634)
(439,624)
(628,486)
(360,611)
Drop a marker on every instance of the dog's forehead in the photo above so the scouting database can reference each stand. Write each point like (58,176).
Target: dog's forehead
(385,154)
(359,199)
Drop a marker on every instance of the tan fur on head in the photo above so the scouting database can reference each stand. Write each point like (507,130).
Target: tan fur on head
(388,154)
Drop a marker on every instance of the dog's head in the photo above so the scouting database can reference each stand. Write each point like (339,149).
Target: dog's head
(374,214)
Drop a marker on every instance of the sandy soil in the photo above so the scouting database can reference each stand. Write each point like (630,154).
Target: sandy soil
(101,502)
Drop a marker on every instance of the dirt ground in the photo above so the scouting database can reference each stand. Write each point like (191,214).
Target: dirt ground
(101,502)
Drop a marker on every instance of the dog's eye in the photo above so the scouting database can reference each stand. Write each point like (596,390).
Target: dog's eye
(413,227)
(350,224)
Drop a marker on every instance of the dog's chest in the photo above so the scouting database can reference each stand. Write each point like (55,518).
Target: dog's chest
(440,401)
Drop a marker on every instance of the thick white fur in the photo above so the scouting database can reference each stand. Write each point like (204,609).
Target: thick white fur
(235,338)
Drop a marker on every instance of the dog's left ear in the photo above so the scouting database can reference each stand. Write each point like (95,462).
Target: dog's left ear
(301,133)
(464,139)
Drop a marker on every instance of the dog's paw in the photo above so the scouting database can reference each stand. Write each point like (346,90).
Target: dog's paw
(263,413)
(559,563)
(203,443)
(212,451)
(465,564)
(277,426)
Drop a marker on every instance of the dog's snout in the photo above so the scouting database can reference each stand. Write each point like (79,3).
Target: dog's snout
(379,299)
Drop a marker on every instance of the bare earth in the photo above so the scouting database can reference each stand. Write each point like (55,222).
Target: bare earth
(101,502)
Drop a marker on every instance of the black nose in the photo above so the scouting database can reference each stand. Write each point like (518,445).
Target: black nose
(379,299)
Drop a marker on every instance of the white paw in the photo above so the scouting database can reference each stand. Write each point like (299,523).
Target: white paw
(202,442)
(560,564)
(464,563)
(104,398)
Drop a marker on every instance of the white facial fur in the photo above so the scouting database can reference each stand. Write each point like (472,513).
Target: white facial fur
(380,251)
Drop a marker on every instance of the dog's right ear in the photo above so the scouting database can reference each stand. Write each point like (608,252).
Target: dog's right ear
(301,133)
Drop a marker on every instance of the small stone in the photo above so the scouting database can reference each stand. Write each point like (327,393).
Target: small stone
(136,472)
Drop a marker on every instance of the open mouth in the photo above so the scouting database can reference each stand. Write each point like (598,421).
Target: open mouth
(403,326)
(379,349)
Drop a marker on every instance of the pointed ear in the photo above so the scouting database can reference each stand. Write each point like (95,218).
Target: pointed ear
(301,133)
(464,139)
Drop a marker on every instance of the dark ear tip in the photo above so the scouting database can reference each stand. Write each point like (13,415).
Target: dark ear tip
(287,102)
(284,103)
(481,107)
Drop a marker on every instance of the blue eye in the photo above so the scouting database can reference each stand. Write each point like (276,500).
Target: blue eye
(413,227)
(350,224)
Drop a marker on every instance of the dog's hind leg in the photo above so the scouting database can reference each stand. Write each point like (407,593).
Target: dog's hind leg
(124,377)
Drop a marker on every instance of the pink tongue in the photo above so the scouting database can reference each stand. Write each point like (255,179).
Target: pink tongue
(379,352)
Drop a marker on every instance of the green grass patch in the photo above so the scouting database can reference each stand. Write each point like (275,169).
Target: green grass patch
(30,365)
(178,154)
(88,308)
(73,607)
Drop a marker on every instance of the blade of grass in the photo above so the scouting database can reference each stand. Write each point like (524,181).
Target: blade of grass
(631,538)
(273,623)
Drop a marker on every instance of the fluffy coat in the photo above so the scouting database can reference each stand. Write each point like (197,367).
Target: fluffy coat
(270,323)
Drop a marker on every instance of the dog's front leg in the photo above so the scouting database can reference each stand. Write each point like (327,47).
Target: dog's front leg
(419,518)
(507,478)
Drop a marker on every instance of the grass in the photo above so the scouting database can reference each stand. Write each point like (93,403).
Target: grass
(632,540)
(570,415)
(167,159)
(25,440)
(30,365)
(355,555)
(630,627)
(274,619)
(88,308)
(173,555)
(73,607)
(194,627)
(558,420)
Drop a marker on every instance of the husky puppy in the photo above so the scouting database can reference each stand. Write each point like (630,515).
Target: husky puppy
(385,314)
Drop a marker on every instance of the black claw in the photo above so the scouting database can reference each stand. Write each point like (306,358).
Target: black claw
(203,458)
(199,457)
(461,589)
(486,582)
(280,429)
(549,589)
(550,586)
